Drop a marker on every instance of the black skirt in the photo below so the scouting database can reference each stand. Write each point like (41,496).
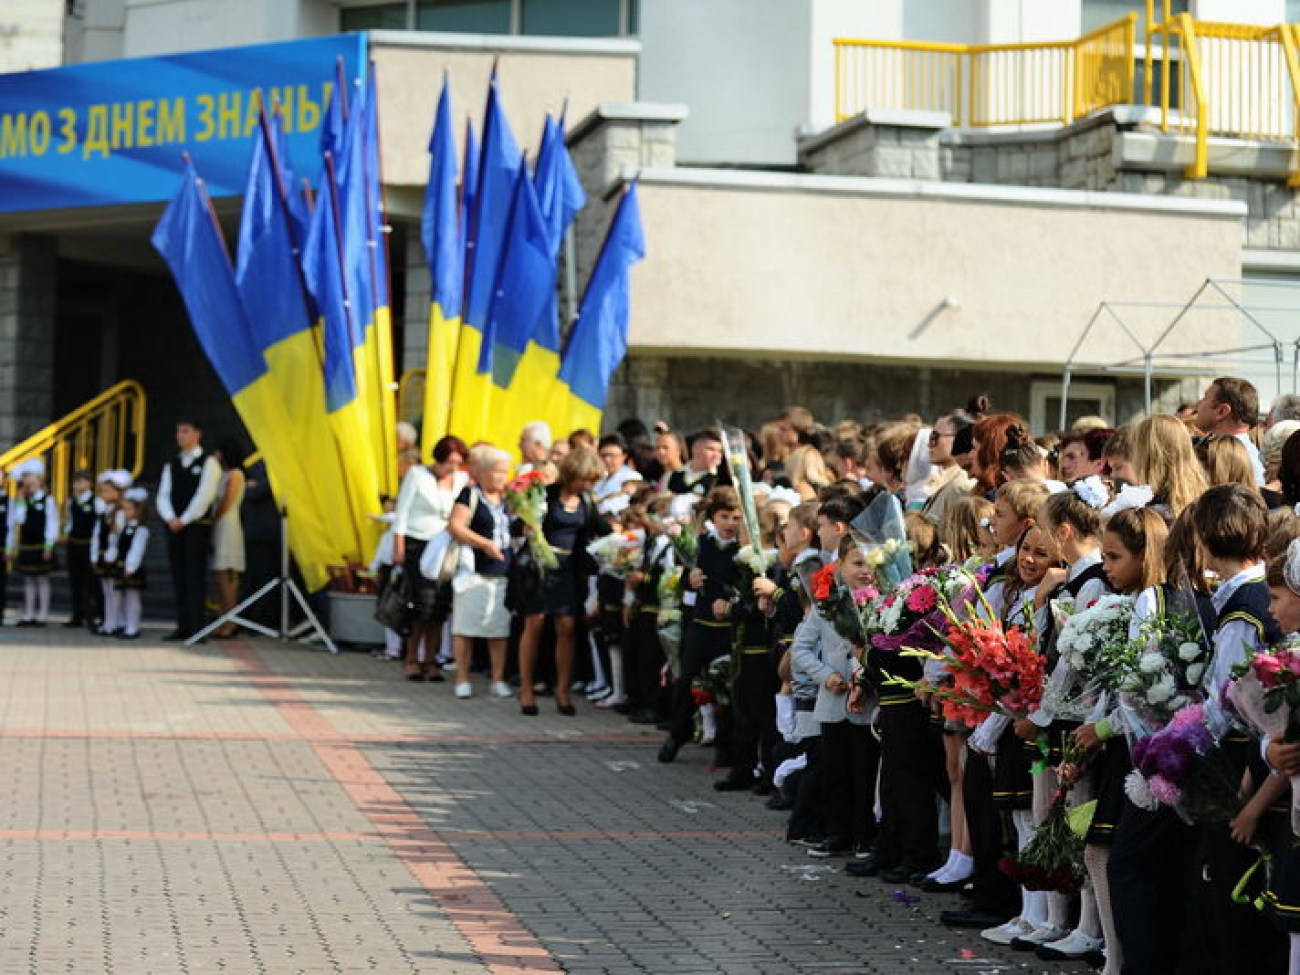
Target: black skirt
(1013,786)
(31,560)
(1113,767)
(430,601)
(1282,899)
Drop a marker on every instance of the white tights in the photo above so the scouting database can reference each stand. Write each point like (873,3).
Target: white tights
(36,598)
(112,606)
(1294,967)
(1095,859)
(1033,903)
(130,611)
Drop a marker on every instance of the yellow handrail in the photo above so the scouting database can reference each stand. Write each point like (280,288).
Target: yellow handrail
(1200,167)
(1025,83)
(1290,34)
(104,432)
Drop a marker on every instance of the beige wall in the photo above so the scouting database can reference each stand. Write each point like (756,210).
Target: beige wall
(533,80)
(31,34)
(823,266)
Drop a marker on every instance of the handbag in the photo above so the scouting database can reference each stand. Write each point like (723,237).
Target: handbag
(443,555)
(393,607)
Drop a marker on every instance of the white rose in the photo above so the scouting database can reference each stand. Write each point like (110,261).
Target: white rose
(1194,673)
(1151,663)
(1162,690)
(1189,651)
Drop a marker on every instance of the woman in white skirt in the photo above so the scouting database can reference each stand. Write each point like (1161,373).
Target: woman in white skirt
(479,522)
(228,534)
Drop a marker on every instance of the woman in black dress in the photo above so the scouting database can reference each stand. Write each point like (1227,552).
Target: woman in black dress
(571,521)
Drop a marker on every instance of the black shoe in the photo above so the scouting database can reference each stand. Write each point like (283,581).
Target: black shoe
(830,848)
(568,710)
(1095,959)
(973,918)
(732,785)
(529,710)
(669,749)
(643,716)
(896,875)
(73,623)
(779,803)
(862,868)
(437,677)
(932,886)
(26,622)
(807,842)
(763,787)
(123,635)
(177,636)
(39,624)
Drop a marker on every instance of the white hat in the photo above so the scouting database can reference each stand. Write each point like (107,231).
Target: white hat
(33,465)
(789,495)
(136,494)
(614,504)
(117,477)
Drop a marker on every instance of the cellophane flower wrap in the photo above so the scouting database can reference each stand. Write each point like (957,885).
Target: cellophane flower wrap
(1052,860)
(618,553)
(840,606)
(751,564)
(526,500)
(682,535)
(915,615)
(669,592)
(993,669)
(1088,640)
(1159,673)
(1182,767)
(1265,691)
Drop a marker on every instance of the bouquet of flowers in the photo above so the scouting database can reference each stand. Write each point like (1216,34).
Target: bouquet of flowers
(526,500)
(618,553)
(668,592)
(1266,693)
(681,533)
(993,669)
(1085,642)
(1159,673)
(751,564)
(1053,859)
(1181,766)
(714,685)
(915,615)
(737,456)
(838,605)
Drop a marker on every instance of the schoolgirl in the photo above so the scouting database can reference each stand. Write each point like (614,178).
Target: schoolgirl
(33,533)
(605,602)
(103,545)
(707,631)
(644,657)
(129,570)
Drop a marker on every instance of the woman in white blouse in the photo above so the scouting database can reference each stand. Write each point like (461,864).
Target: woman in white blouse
(424,506)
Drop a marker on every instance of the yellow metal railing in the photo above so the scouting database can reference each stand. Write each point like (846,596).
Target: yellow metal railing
(1233,80)
(105,432)
(1053,82)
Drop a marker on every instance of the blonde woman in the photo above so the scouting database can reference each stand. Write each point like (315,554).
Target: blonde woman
(807,471)
(1226,461)
(1163,460)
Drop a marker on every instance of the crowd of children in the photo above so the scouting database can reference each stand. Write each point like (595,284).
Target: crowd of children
(1086,544)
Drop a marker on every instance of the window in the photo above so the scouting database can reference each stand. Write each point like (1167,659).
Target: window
(387,16)
(1098,13)
(572,18)
(1086,399)
(1293,11)
(465,16)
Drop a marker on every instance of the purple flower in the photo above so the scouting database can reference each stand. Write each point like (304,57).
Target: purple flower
(1165,791)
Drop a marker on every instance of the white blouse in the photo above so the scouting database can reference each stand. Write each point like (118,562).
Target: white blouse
(423,508)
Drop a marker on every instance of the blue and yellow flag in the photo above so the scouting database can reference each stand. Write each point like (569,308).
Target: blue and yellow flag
(190,241)
(493,191)
(270,282)
(599,340)
(440,232)
(323,268)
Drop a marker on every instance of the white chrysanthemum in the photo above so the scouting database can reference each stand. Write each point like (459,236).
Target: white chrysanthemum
(1194,673)
(1162,690)
(1189,651)
(1151,663)
(1139,793)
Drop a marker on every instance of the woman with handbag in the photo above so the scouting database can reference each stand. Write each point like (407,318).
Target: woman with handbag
(571,521)
(480,527)
(424,506)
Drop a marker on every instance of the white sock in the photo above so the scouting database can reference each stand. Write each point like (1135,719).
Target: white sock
(131,611)
(616,672)
(943,870)
(963,865)
(43,598)
(29,598)
(599,677)
(1294,967)
(112,613)
(709,722)
(392,644)
(445,654)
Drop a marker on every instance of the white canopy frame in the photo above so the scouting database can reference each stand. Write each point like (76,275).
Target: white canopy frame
(1145,361)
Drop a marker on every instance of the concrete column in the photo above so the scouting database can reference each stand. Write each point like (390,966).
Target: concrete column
(27,288)
(419,292)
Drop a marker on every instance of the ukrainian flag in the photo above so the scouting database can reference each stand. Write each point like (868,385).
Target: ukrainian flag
(490,213)
(525,287)
(269,277)
(189,240)
(323,268)
(599,340)
(440,232)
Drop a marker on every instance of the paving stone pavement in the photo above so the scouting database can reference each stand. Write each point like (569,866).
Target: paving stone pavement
(255,807)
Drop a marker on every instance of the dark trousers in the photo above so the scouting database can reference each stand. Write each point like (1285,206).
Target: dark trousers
(85,592)
(1150,870)
(807,818)
(643,662)
(850,760)
(754,730)
(909,831)
(701,645)
(992,837)
(187,550)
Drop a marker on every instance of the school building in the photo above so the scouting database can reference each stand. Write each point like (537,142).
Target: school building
(866,206)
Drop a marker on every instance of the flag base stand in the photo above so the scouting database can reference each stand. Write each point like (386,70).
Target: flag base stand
(308,631)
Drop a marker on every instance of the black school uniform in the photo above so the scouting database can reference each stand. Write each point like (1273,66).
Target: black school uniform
(705,638)
(754,735)
(38,526)
(81,576)
(139,578)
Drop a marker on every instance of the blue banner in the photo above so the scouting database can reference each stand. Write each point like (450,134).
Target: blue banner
(116,131)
